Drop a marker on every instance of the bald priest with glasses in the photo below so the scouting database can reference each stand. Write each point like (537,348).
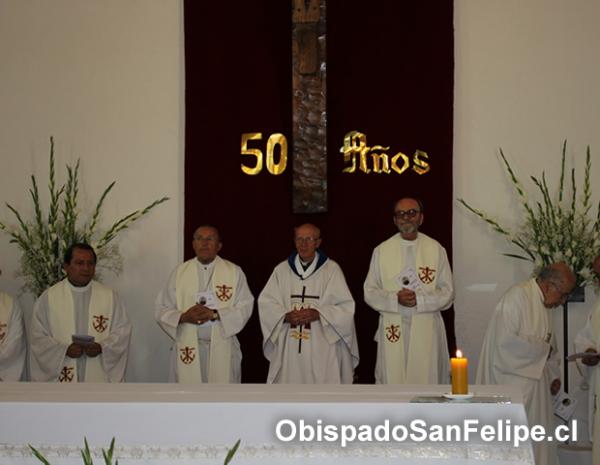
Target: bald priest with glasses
(307,317)
(410,283)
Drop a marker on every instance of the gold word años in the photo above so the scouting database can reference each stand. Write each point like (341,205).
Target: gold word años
(355,146)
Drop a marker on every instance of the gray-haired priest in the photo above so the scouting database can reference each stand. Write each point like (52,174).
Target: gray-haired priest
(80,331)
(204,305)
(410,283)
(12,339)
(307,317)
(519,347)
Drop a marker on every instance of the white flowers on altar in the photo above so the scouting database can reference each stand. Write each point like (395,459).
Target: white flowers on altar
(556,227)
(44,239)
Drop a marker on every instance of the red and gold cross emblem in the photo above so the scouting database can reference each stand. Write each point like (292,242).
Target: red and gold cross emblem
(187,354)
(392,333)
(100,323)
(66,375)
(2,331)
(426,274)
(224,292)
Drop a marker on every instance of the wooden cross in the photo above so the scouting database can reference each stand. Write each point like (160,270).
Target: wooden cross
(309,97)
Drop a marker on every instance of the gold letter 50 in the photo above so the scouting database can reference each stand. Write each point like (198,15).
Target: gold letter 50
(272,167)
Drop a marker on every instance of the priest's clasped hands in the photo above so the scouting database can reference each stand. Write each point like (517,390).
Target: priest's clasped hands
(77,350)
(302,316)
(197,314)
(407,298)
(592,359)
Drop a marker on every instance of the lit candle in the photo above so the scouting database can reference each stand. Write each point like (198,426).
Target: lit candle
(460,384)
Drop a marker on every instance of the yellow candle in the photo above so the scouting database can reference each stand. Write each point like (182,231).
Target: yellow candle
(458,365)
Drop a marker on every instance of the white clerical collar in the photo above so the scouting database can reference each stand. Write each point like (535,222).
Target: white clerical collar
(310,270)
(80,288)
(406,242)
(207,266)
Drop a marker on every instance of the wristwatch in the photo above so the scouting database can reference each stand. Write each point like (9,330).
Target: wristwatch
(215,316)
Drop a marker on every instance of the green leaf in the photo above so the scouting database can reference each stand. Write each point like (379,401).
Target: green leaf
(231,452)
(85,453)
(520,257)
(38,455)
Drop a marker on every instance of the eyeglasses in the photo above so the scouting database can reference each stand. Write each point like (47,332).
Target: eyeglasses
(305,240)
(406,213)
(207,238)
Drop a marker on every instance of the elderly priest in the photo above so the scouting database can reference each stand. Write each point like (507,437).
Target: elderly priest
(80,331)
(202,308)
(307,317)
(410,283)
(520,349)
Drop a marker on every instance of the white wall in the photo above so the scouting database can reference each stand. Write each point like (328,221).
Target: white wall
(106,80)
(526,79)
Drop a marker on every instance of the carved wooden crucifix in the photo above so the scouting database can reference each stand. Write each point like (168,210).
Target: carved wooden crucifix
(309,106)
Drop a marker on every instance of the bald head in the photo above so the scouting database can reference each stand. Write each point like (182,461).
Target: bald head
(556,281)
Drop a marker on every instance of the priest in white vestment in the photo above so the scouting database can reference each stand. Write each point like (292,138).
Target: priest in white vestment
(79,331)
(588,340)
(307,317)
(520,349)
(203,307)
(12,339)
(410,283)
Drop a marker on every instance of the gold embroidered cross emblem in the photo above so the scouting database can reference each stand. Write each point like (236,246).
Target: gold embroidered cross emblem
(392,333)
(100,323)
(224,292)
(426,274)
(187,354)
(66,375)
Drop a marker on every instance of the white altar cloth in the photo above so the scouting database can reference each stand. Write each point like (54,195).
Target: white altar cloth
(183,425)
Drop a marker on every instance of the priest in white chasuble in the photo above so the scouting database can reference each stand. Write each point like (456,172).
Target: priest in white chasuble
(12,339)
(519,347)
(307,317)
(79,331)
(202,308)
(588,340)
(410,283)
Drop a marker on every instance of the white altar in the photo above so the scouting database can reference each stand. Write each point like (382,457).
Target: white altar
(184,425)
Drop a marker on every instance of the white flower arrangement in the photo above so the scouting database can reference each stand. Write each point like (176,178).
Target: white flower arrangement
(554,228)
(44,239)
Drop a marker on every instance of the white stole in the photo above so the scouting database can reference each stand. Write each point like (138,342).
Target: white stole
(6,308)
(188,359)
(61,317)
(422,328)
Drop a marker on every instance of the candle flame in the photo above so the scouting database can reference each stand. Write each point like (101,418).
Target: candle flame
(459,354)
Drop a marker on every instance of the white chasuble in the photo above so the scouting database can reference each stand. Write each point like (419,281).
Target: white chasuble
(12,339)
(519,349)
(6,309)
(409,358)
(61,317)
(223,284)
(324,351)
(589,338)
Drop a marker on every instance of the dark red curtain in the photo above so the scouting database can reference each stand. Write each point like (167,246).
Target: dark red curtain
(390,72)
